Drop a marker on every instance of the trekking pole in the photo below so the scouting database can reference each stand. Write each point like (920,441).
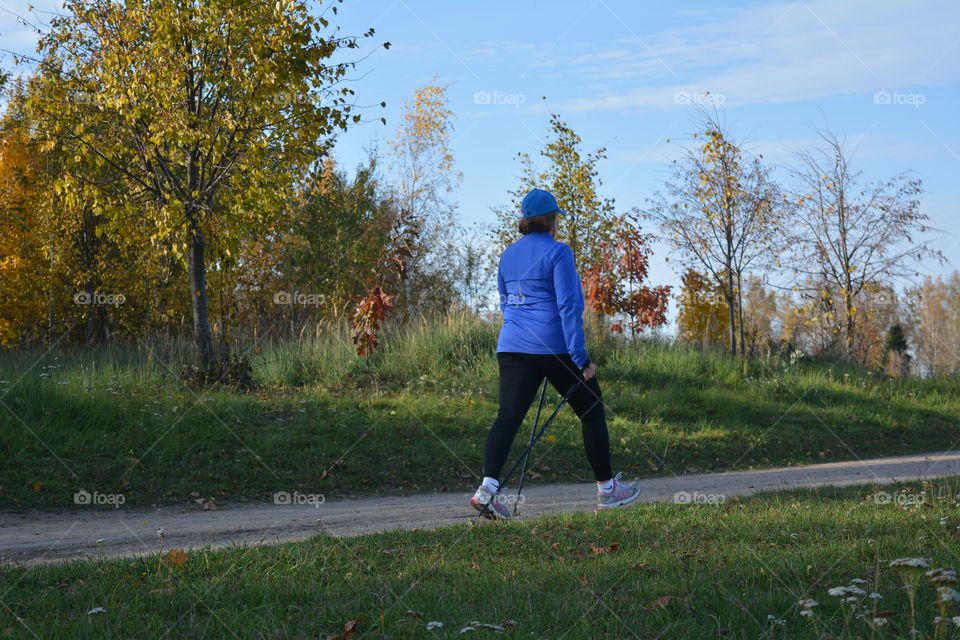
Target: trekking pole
(526,457)
(536,437)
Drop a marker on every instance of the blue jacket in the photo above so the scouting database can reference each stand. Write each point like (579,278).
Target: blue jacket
(541,299)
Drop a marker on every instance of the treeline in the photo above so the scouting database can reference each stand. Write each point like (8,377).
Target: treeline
(187,187)
(805,258)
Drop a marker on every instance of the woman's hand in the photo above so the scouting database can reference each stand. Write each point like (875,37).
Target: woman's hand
(589,372)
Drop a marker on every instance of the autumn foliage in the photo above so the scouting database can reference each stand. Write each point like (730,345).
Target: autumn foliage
(614,287)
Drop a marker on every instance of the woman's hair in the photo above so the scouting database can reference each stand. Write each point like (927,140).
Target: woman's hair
(537,224)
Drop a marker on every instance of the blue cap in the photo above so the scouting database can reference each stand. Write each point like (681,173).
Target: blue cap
(537,203)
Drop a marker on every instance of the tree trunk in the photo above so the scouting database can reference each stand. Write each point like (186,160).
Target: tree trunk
(739,298)
(198,300)
(731,312)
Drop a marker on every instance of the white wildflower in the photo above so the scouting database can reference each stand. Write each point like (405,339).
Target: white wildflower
(434,624)
(914,563)
(948,594)
(858,581)
(807,603)
(942,576)
(879,621)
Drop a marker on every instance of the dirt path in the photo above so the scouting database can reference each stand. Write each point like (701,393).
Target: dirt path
(37,537)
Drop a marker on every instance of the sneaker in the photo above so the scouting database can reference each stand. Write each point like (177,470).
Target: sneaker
(497,509)
(620,495)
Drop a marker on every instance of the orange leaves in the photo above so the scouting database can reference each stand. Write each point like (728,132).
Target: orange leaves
(349,630)
(176,558)
(599,551)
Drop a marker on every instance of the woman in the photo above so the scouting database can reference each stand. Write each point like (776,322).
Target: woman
(542,336)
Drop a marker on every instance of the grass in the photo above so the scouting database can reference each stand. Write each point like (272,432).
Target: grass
(413,417)
(733,570)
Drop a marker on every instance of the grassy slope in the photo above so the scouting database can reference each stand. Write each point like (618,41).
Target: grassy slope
(413,419)
(717,571)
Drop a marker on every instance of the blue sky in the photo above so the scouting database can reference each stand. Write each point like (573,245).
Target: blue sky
(883,75)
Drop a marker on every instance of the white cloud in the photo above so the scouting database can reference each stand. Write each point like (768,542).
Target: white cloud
(776,53)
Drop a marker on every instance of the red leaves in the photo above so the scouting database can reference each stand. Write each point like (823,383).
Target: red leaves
(367,317)
(372,310)
(625,259)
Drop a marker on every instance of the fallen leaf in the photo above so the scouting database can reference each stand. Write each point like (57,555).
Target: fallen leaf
(176,557)
(412,614)
(349,630)
(661,602)
(599,551)
(210,505)
(583,580)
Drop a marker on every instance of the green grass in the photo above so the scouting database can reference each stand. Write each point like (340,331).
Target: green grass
(413,417)
(730,570)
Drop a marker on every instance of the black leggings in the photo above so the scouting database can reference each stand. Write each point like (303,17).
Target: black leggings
(520,377)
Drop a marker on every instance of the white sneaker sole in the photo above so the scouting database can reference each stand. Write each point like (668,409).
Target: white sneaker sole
(487,513)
